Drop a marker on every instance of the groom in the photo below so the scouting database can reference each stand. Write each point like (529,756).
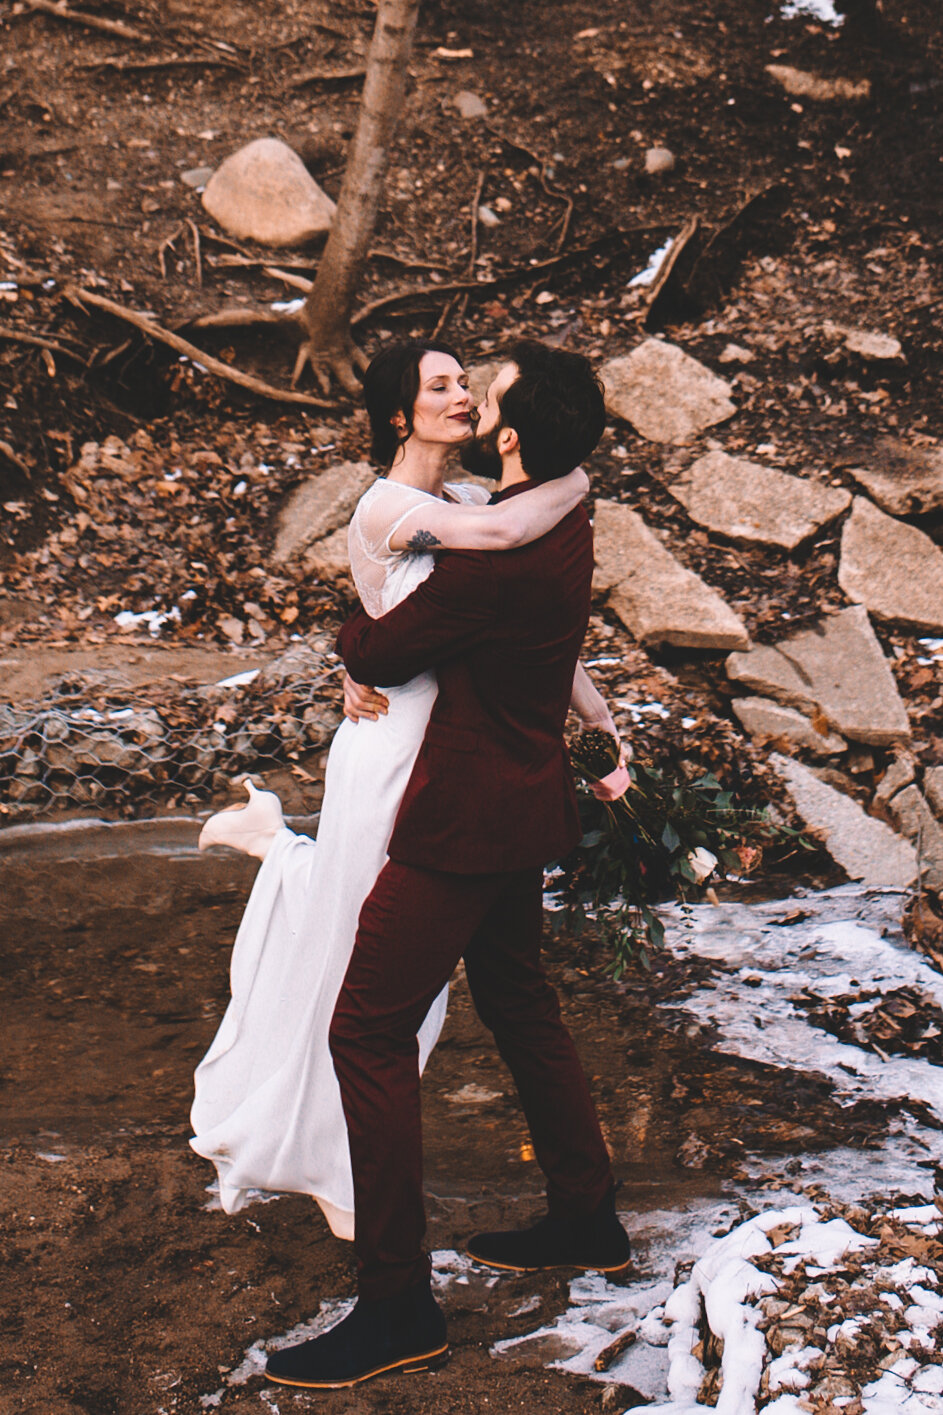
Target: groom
(489,803)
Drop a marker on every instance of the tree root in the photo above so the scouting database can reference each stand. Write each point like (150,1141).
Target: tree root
(81,297)
(343,362)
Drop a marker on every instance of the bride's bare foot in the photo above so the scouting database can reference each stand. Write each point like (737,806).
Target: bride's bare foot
(250,828)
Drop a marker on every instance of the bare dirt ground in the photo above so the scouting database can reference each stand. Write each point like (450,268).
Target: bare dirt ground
(121,1292)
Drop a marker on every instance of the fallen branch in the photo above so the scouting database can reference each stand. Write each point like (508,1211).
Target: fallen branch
(297,282)
(324,76)
(80,297)
(494,282)
(61,11)
(14,336)
(242,318)
(137,66)
(555,192)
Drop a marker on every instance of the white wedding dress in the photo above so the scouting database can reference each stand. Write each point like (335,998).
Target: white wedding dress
(267,1110)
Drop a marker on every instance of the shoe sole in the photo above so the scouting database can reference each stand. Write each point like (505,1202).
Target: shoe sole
(547,1267)
(408,1366)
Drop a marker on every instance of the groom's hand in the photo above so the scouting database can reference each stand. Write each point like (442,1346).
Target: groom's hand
(362,701)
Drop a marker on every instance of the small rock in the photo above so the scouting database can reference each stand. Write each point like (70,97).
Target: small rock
(892,568)
(488,217)
(265,193)
(658,160)
(837,668)
(735,354)
(866,848)
(318,506)
(800,84)
(746,501)
(913,818)
(665,394)
(233,628)
(655,596)
(873,346)
(469,105)
(933,786)
(766,719)
(197,177)
(903,480)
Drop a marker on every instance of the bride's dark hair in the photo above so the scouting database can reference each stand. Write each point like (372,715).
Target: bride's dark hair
(390,386)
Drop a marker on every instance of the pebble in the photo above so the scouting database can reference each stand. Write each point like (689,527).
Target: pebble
(658,160)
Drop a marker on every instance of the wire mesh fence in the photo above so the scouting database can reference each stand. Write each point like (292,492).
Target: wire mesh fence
(93,743)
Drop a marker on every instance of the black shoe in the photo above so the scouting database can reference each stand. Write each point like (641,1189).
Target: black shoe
(596,1241)
(404,1333)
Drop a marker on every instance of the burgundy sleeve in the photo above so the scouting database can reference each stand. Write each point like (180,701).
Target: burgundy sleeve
(450,611)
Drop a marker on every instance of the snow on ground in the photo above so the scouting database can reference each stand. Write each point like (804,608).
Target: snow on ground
(822,10)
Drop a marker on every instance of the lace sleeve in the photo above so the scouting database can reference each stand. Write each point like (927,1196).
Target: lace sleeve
(378,513)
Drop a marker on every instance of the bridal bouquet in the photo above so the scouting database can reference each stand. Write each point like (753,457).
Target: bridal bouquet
(661,840)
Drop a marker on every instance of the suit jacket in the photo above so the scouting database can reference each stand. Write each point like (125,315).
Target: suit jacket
(491,789)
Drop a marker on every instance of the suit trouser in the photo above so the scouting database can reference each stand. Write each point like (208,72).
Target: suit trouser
(414,927)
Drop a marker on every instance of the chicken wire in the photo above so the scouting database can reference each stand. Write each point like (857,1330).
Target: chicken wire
(122,750)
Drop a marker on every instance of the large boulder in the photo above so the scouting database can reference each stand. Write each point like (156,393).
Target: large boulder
(746,501)
(892,568)
(903,480)
(657,598)
(866,848)
(665,394)
(837,669)
(318,506)
(265,193)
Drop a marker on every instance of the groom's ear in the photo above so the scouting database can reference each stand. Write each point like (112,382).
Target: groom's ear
(508,441)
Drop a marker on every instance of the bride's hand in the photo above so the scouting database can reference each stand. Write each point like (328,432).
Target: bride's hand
(363,701)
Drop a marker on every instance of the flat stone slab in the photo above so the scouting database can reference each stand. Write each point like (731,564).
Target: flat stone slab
(750,502)
(913,818)
(265,193)
(866,848)
(769,720)
(318,506)
(657,598)
(903,480)
(892,568)
(838,669)
(665,394)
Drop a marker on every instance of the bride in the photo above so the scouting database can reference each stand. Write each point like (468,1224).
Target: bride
(267,1109)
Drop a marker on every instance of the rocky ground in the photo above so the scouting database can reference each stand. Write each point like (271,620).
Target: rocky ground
(768,502)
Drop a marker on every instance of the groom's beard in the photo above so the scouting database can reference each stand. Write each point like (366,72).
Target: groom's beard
(481,457)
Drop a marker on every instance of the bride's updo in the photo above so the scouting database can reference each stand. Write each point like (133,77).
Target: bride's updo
(390,386)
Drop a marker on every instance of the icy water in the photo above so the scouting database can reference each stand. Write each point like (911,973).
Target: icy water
(117,907)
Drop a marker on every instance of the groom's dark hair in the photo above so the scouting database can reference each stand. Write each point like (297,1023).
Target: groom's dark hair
(556,407)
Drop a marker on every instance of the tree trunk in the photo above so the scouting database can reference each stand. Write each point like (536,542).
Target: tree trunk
(329,347)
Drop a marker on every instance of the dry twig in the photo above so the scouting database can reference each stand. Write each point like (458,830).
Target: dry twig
(163,248)
(61,11)
(197,257)
(16,459)
(324,76)
(297,282)
(14,336)
(81,297)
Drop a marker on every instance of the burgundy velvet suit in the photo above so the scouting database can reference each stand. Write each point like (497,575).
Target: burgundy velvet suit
(489,802)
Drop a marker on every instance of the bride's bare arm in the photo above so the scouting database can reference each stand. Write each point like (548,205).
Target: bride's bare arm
(592,709)
(519,520)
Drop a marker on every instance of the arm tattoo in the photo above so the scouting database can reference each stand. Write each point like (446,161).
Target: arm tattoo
(421,541)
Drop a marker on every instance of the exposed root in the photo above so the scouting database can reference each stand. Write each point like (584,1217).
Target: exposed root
(341,363)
